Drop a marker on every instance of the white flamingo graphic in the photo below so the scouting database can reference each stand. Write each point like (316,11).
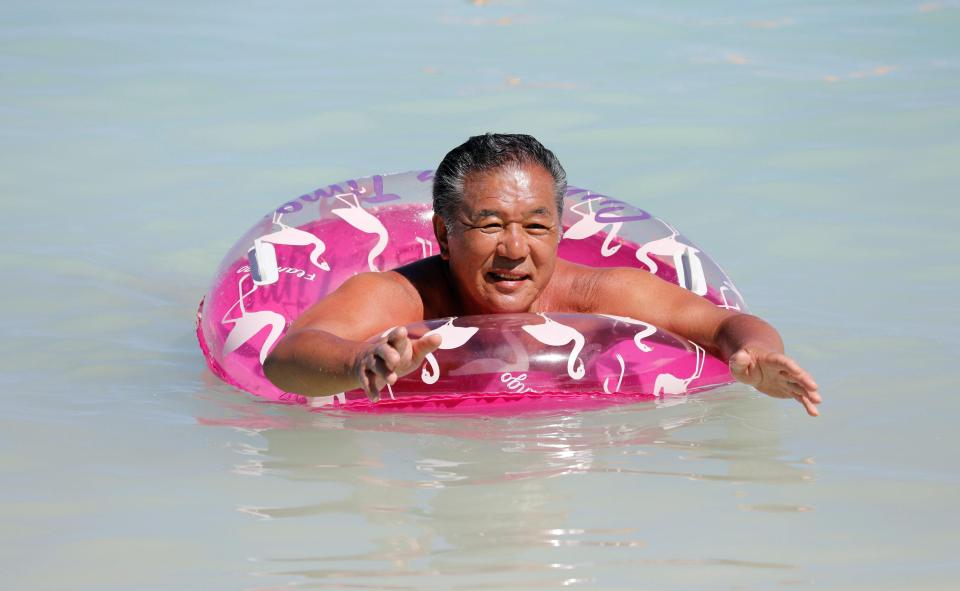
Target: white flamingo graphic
(588,225)
(497,364)
(556,334)
(667,383)
(250,323)
(263,257)
(623,369)
(452,337)
(363,220)
(727,286)
(648,330)
(685,260)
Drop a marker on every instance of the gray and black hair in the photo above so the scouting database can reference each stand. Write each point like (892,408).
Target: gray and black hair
(490,152)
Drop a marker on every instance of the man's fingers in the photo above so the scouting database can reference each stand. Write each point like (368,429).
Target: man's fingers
(391,356)
(796,390)
(377,375)
(387,374)
(379,367)
(425,344)
(808,398)
(394,355)
(807,382)
(794,372)
(398,337)
(802,385)
(809,406)
(802,389)
(363,380)
(371,388)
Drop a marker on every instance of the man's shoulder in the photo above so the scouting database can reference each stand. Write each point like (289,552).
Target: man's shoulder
(575,287)
(586,289)
(380,284)
(363,305)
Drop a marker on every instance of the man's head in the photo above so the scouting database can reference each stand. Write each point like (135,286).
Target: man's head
(488,152)
(500,231)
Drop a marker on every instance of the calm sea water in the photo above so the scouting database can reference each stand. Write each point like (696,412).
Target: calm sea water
(811,148)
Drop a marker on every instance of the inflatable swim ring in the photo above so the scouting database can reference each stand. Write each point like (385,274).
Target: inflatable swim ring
(308,246)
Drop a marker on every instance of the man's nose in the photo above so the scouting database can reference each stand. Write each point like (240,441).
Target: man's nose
(513,242)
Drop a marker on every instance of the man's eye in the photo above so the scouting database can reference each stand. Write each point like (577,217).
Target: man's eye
(537,229)
(492,227)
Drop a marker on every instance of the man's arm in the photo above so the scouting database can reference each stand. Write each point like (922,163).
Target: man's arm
(327,350)
(752,347)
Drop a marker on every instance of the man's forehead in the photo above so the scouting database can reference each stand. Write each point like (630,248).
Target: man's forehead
(493,191)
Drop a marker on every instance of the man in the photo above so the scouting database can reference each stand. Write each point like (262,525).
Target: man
(498,201)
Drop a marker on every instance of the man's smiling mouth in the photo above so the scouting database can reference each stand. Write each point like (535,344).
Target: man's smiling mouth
(507,276)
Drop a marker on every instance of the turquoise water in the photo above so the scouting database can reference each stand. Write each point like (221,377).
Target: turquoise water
(811,148)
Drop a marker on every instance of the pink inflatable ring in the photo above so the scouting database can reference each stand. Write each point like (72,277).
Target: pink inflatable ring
(307,247)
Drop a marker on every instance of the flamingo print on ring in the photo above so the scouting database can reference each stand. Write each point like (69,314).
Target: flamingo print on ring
(727,286)
(264,271)
(647,331)
(361,219)
(556,334)
(251,323)
(667,383)
(451,338)
(263,260)
(588,225)
(685,260)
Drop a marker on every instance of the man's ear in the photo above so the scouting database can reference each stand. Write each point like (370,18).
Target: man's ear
(440,231)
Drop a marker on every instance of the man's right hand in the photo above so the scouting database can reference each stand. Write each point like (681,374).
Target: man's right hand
(390,358)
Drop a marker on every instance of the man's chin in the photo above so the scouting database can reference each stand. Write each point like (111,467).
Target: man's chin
(508,306)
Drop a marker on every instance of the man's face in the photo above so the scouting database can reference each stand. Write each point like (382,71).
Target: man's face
(502,248)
